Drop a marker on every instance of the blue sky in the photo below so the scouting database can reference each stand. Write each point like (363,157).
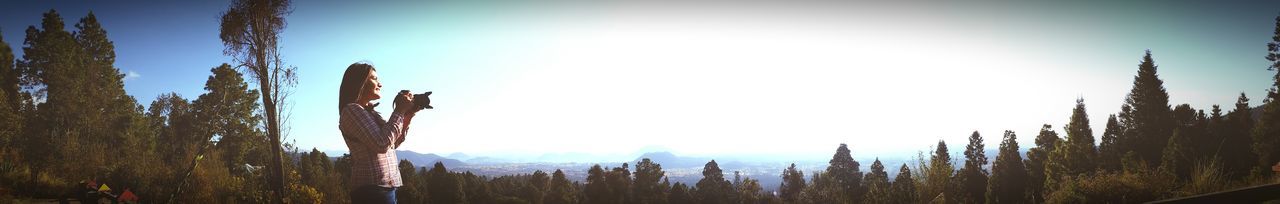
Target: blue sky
(708,77)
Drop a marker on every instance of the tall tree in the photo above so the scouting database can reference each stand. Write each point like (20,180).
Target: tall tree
(972,178)
(1108,152)
(1149,116)
(50,59)
(1046,143)
(559,190)
(1266,135)
(1008,175)
(1238,161)
(680,194)
(250,31)
(713,188)
(227,112)
(444,187)
(1080,153)
(877,184)
(597,187)
(646,188)
(843,170)
(792,184)
(903,189)
(939,175)
(11,103)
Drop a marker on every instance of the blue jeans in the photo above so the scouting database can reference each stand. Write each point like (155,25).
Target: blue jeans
(373,194)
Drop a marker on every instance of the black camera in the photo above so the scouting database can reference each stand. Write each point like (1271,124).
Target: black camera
(420,101)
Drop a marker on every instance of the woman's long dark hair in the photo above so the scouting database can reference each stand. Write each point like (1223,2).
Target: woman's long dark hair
(353,83)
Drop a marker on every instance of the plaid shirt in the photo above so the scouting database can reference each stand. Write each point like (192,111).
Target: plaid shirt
(372,142)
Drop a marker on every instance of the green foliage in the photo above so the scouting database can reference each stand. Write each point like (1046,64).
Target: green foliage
(681,194)
(792,184)
(1008,176)
(937,178)
(1037,158)
(560,191)
(444,187)
(713,188)
(876,184)
(1148,116)
(646,188)
(1235,134)
(1081,154)
(1108,151)
(970,183)
(843,171)
(903,189)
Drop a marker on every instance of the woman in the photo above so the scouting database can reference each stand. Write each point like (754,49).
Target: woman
(375,173)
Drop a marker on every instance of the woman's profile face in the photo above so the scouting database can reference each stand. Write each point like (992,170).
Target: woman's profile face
(372,87)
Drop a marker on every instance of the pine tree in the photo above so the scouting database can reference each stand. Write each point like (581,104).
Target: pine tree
(228,112)
(444,187)
(1266,134)
(1108,152)
(681,194)
(1149,116)
(597,188)
(50,59)
(1037,157)
(1176,159)
(844,172)
(972,178)
(11,103)
(1008,175)
(792,184)
(939,175)
(1082,154)
(903,189)
(559,190)
(1239,123)
(620,184)
(647,189)
(877,184)
(713,188)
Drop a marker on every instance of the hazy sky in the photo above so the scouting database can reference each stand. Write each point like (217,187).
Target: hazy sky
(709,77)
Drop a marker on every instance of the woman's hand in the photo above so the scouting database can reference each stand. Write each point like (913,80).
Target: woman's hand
(404,103)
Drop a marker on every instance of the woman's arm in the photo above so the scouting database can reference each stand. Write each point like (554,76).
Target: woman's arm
(368,132)
(408,117)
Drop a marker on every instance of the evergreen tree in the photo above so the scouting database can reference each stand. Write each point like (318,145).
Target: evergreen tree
(408,193)
(597,188)
(903,189)
(713,188)
(647,189)
(843,170)
(1149,116)
(748,190)
(1266,134)
(1108,152)
(1081,153)
(680,194)
(877,184)
(792,184)
(11,103)
(50,59)
(444,187)
(619,180)
(559,190)
(1008,175)
(939,175)
(1177,157)
(1238,161)
(1046,143)
(972,178)
(227,112)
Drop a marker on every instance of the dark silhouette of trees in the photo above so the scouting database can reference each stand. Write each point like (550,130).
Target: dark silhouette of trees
(250,30)
(938,178)
(876,184)
(646,188)
(903,189)
(713,188)
(1266,135)
(1008,176)
(560,190)
(1108,152)
(1148,117)
(970,182)
(792,183)
(1235,134)
(444,187)
(843,172)
(1037,157)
